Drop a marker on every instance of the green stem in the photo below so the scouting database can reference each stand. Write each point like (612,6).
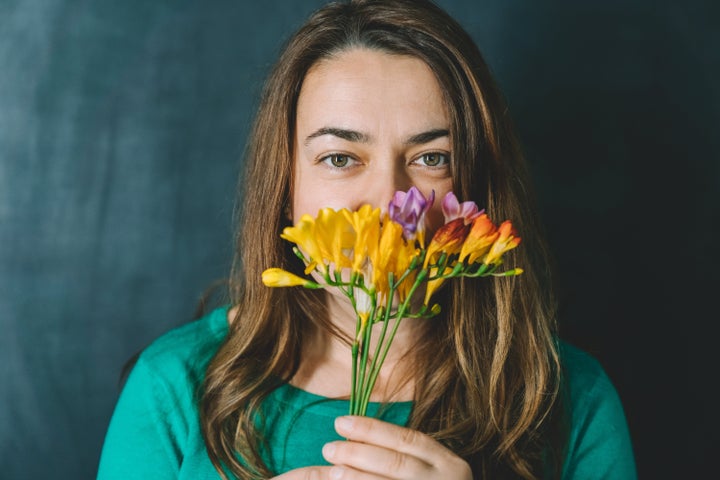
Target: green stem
(386,347)
(355,345)
(479,272)
(367,387)
(353,376)
(367,333)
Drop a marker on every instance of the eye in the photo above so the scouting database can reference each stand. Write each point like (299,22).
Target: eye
(433,159)
(337,160)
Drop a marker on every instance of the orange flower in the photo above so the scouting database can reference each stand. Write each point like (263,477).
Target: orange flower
(507,240)
(448,239)
(482,235)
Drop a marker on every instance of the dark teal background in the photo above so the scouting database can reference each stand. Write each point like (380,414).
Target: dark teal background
(122,126)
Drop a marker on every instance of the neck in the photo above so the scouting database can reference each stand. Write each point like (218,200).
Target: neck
(326,360)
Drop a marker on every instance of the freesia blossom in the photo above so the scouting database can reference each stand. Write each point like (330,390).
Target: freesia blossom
(366,224)
(432,286)
(393,255)
(483,234)
(303,235)
(507,240)
(363,308)
(453,209)
(448,239)
(409,210)
(277,277)
(335,236)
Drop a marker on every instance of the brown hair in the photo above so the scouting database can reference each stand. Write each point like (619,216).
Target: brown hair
(492,395)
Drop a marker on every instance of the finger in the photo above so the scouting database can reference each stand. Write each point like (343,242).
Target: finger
(376,460)
(307,473)
(393,437)
(342,472)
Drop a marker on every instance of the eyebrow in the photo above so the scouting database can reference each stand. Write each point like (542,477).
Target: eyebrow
(427,137)
(359,137)
(349,135)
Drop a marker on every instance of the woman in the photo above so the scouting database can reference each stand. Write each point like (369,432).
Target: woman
(371,97)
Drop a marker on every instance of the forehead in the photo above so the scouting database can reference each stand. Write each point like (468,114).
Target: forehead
(370,89)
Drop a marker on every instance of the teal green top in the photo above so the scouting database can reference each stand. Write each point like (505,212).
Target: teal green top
(155,429)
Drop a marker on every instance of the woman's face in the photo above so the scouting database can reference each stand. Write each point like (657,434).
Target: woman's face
(369,124)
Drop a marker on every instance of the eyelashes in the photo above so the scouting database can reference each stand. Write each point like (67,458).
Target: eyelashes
(342,161)
(434,159)
(338,160)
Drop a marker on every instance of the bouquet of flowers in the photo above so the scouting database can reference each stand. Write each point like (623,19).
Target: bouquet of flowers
(379,261)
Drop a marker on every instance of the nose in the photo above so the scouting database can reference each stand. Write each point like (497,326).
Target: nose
(382,182)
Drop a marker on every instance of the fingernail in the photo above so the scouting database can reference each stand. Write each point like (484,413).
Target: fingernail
(344,424)
(328,450)
(337,472)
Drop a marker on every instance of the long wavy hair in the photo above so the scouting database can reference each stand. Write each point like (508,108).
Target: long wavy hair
(489,381)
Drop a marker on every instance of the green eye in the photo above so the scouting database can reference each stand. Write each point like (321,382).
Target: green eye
(338,161)
(434,159)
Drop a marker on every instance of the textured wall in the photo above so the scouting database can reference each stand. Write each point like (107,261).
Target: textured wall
(122,126)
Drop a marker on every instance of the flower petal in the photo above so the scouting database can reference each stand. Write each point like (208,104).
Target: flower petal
(277,277)
(448,239)
(409,210)
(453,209)
(507,240)
(482,235)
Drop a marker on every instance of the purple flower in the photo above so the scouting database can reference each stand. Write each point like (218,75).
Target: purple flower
(409,209)
(453,209)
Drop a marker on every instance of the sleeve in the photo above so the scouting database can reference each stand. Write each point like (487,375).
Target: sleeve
(599,444)
(144,436)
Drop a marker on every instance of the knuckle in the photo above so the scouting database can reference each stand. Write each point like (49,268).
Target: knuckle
(409,437)
(364,425)
(460,466)
(396,463)
(317,474)
(344,450)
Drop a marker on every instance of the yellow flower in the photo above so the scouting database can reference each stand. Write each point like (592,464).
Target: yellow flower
(392,255)
(366,224)
(323,239)
(507,240)
(432,286)
(335,235)
(277,277)
(407,252)
(303,235)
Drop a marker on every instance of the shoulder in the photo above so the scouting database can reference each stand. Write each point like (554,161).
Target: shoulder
(581,371)
(155,430)
(599,443)
(187,350)
(586,384)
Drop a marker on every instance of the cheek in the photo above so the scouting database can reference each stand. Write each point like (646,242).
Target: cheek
(310,199)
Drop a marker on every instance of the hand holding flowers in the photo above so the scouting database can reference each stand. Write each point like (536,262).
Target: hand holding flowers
(377,259)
